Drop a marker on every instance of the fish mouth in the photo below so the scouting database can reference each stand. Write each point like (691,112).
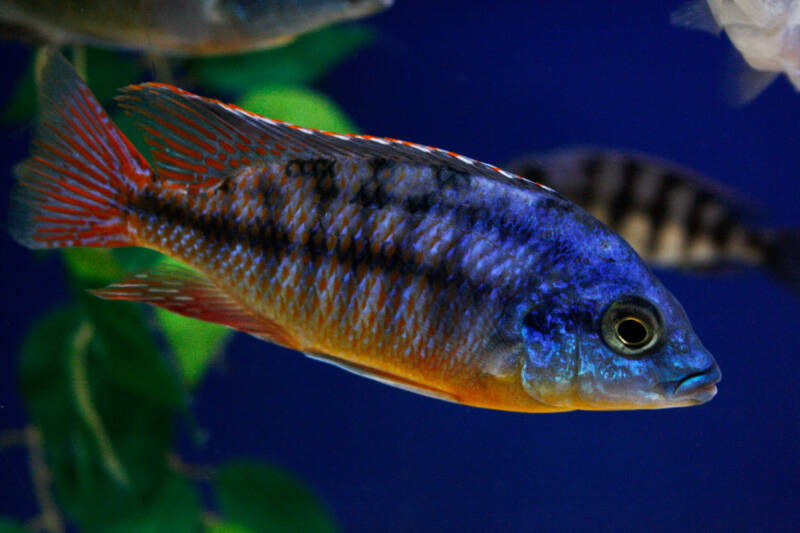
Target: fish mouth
(699,387)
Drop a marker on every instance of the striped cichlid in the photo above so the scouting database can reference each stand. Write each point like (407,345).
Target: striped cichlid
(414,266)
(181,27)
(672,216)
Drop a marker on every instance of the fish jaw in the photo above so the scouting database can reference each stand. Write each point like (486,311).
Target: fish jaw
(677,377)
(570,363)
(694,389)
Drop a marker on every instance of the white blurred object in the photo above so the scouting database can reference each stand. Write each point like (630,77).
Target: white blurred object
(766,33)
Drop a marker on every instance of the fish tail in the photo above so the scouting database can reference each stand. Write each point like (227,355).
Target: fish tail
(784,258)
(82,171)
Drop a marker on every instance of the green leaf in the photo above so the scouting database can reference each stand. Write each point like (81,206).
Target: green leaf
(96,267)
(106,444)
(298,105)
(303,61)
(124,346)
(135,259)
(174,508)
(216,526)
(266,499)
(12,526)
(195,343)
(127,125)
(92,266)
(110,70)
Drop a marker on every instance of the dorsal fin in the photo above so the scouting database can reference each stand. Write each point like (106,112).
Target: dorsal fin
(198,141)
(186,292)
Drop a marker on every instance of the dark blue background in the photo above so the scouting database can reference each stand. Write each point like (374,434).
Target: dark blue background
(493,80)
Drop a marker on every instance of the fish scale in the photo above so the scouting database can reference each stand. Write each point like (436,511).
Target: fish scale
(669,214)
(411,265)
(294,210)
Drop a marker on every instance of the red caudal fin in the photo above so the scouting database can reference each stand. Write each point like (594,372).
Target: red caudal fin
(72,188)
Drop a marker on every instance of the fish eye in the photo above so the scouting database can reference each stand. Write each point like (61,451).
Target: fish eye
(631,326)
(632,332)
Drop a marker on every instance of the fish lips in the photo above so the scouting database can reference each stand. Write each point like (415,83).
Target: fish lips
(695,388)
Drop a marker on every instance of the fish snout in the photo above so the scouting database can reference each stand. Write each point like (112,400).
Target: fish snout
(698,387)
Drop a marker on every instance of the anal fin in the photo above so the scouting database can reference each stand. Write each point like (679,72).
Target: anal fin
(387,378)
(187,292)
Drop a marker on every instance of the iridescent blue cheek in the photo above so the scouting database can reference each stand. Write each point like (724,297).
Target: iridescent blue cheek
(551,361)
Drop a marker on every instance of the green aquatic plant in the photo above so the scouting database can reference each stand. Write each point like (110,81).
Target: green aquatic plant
(298,105)
(302,62)
(104,382)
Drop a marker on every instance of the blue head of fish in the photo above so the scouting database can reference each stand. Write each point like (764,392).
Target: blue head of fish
(604,333)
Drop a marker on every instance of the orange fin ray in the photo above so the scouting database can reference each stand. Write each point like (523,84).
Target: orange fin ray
(187,292)
(72,189)
(199,142)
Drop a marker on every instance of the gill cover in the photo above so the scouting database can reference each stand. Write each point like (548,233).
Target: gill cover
(551,332)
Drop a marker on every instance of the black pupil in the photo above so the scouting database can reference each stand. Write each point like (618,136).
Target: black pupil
(632,332)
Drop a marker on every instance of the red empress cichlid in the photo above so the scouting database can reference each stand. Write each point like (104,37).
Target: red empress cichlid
(414,266)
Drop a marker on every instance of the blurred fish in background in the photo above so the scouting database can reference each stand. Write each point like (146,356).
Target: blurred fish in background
(180,27)
(671,215)
(766,33)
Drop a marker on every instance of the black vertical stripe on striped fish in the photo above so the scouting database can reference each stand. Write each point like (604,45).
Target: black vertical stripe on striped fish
(623,200)
(591,169)
(701,202)
(722,230)
(659,210)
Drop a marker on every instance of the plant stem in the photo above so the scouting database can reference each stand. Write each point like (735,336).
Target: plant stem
(190,471)
(83,397)
(51,520)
